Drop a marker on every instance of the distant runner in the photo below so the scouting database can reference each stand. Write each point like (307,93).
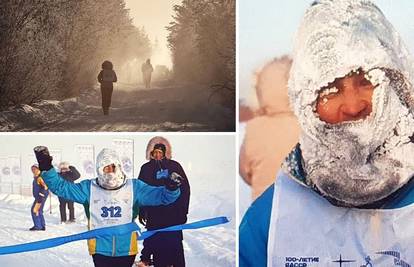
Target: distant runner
(106,78)
(147,70)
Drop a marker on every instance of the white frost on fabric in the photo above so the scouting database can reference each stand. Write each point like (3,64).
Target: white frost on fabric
(334,39)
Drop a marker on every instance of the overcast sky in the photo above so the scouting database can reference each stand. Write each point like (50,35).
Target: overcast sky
(154,15)
(266,30)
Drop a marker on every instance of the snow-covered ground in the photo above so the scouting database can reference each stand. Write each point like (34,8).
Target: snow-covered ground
(133,109)
(212,246)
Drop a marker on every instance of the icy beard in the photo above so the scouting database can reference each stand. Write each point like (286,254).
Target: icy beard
(359,163)
(111,180)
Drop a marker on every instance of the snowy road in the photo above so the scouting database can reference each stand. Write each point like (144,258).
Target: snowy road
(214,246)
(134,109)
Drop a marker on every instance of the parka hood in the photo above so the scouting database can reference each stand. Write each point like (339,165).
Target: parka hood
(358,162)
(158,140)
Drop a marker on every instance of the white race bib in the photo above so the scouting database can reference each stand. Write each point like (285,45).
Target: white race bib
(110,207)
(306,230)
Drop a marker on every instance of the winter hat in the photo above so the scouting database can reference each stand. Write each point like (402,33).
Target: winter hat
(353,163)
(107,65)
(109,180)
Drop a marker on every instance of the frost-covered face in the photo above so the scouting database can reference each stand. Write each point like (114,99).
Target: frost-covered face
(109,169)
(346,99)
(350,86)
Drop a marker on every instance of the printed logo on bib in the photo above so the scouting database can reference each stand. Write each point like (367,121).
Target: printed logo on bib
(397,258)
(340,260)
(300,261)
(369,261)
(162,174)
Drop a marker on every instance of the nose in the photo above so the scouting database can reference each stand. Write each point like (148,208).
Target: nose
(355,107)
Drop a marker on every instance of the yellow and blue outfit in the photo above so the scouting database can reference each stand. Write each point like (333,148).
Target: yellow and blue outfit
(40,193)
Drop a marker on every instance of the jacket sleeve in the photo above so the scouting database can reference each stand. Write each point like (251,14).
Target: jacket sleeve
(100,77)
(147,195)
(254,231)
(77,192)
(185,191)
(115,78)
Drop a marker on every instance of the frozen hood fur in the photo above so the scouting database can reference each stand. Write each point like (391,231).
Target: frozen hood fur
(158,140)
(112,180)
(360,162)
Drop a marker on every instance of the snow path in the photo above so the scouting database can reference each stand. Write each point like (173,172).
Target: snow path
(138,109)
(214,246)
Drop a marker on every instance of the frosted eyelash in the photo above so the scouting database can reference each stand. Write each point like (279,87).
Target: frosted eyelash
(328,91)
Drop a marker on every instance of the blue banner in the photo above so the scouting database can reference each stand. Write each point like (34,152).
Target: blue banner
(113,230)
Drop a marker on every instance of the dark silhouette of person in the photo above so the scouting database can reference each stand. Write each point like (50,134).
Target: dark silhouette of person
(106,78)
(147,70)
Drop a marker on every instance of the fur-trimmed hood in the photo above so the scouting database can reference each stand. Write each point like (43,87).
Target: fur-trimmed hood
(158,140)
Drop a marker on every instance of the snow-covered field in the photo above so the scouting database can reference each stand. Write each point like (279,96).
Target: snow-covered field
(212,246)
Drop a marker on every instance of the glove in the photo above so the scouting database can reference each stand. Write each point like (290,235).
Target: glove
(173,182)
(43,158)
(142,217)
(36,208)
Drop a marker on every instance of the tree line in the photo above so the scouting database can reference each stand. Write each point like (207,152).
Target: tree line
(53,49)
(202,42)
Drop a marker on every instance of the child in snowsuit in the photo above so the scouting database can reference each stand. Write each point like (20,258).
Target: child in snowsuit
(40,193)
(106,78)
(110,199)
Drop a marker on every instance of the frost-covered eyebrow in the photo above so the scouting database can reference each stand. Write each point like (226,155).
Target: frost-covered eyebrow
(328,90)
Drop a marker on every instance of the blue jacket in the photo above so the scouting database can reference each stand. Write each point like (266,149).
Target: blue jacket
(254,228)
(39,189)
(143,195)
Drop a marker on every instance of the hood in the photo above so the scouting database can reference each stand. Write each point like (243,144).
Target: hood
(359,162)
(109,180)
(271,86)
(158,140)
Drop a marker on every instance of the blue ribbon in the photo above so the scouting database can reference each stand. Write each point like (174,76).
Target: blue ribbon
(194,225)
(112,230)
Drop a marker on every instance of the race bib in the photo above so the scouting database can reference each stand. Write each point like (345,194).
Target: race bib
(110,207)
(306,230)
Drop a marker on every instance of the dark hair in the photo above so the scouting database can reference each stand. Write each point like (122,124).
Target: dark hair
(107,65)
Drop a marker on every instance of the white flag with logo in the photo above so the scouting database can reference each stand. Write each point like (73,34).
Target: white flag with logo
(125,150)
(86,163)
(15,169)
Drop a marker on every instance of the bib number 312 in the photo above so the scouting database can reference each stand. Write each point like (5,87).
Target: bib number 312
(111,211)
